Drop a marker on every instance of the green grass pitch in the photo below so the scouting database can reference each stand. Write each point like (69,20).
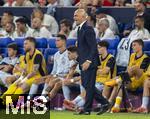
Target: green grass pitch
(69,115)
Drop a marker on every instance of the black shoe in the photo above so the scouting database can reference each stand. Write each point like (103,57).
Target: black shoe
(97,108)
(103,109)
(82,113)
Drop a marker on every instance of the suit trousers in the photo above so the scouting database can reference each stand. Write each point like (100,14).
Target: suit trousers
(88,78)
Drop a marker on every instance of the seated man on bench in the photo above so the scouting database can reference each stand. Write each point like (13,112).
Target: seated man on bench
(138,64)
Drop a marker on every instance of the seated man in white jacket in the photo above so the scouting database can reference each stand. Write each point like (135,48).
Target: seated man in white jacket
(123,50)
(38,30)
(104,31)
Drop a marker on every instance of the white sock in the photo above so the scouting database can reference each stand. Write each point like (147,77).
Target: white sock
(145,101)
(44,92)
(33,90)
(77,99)
(66,92)
(81,103)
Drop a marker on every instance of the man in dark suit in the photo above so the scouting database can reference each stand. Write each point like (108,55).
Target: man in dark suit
(88,60)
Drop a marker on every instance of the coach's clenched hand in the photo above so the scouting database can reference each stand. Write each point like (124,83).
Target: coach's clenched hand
(85,65)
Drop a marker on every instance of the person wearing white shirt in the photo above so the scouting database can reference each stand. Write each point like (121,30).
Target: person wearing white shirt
(139,32)
(112,23)
(66,28)
(123,50)
(52,3)
(55,3)
(104,31)
(26,3)
(21,28)
(61,67)
(7,64)
(48,21)
(65,2)
(7,17)
(38,30)
(8,31)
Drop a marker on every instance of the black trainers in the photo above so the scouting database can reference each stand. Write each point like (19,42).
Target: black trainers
(104,109)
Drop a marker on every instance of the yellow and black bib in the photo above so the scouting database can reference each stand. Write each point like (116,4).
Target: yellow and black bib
(136,61)
(103,78)
(30,63)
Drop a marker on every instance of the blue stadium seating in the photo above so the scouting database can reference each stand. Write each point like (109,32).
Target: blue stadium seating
(113,52)
(4,42)
(49,54)
(147,47)
(71,42)
(51,43)
(3,45)
(19,42)
(41,43)
(3,52)
(113,43)
(41,49)
(21,51)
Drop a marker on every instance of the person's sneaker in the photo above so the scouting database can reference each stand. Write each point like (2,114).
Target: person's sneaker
(111,83)
(140,110)
(103,109)
(115,109)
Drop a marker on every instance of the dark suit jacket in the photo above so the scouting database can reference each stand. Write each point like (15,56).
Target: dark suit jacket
(146,16)
(87,46)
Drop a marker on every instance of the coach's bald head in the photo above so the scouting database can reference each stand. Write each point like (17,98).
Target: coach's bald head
(80,16)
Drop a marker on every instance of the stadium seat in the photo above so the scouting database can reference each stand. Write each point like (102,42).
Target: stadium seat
(42,50)
(3,52)
(4,42)
(49,55)
(113,43)
(71,42)
(111,51)
(147,47)
(51,43)
(41,43)
(19,42)
(21,51)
